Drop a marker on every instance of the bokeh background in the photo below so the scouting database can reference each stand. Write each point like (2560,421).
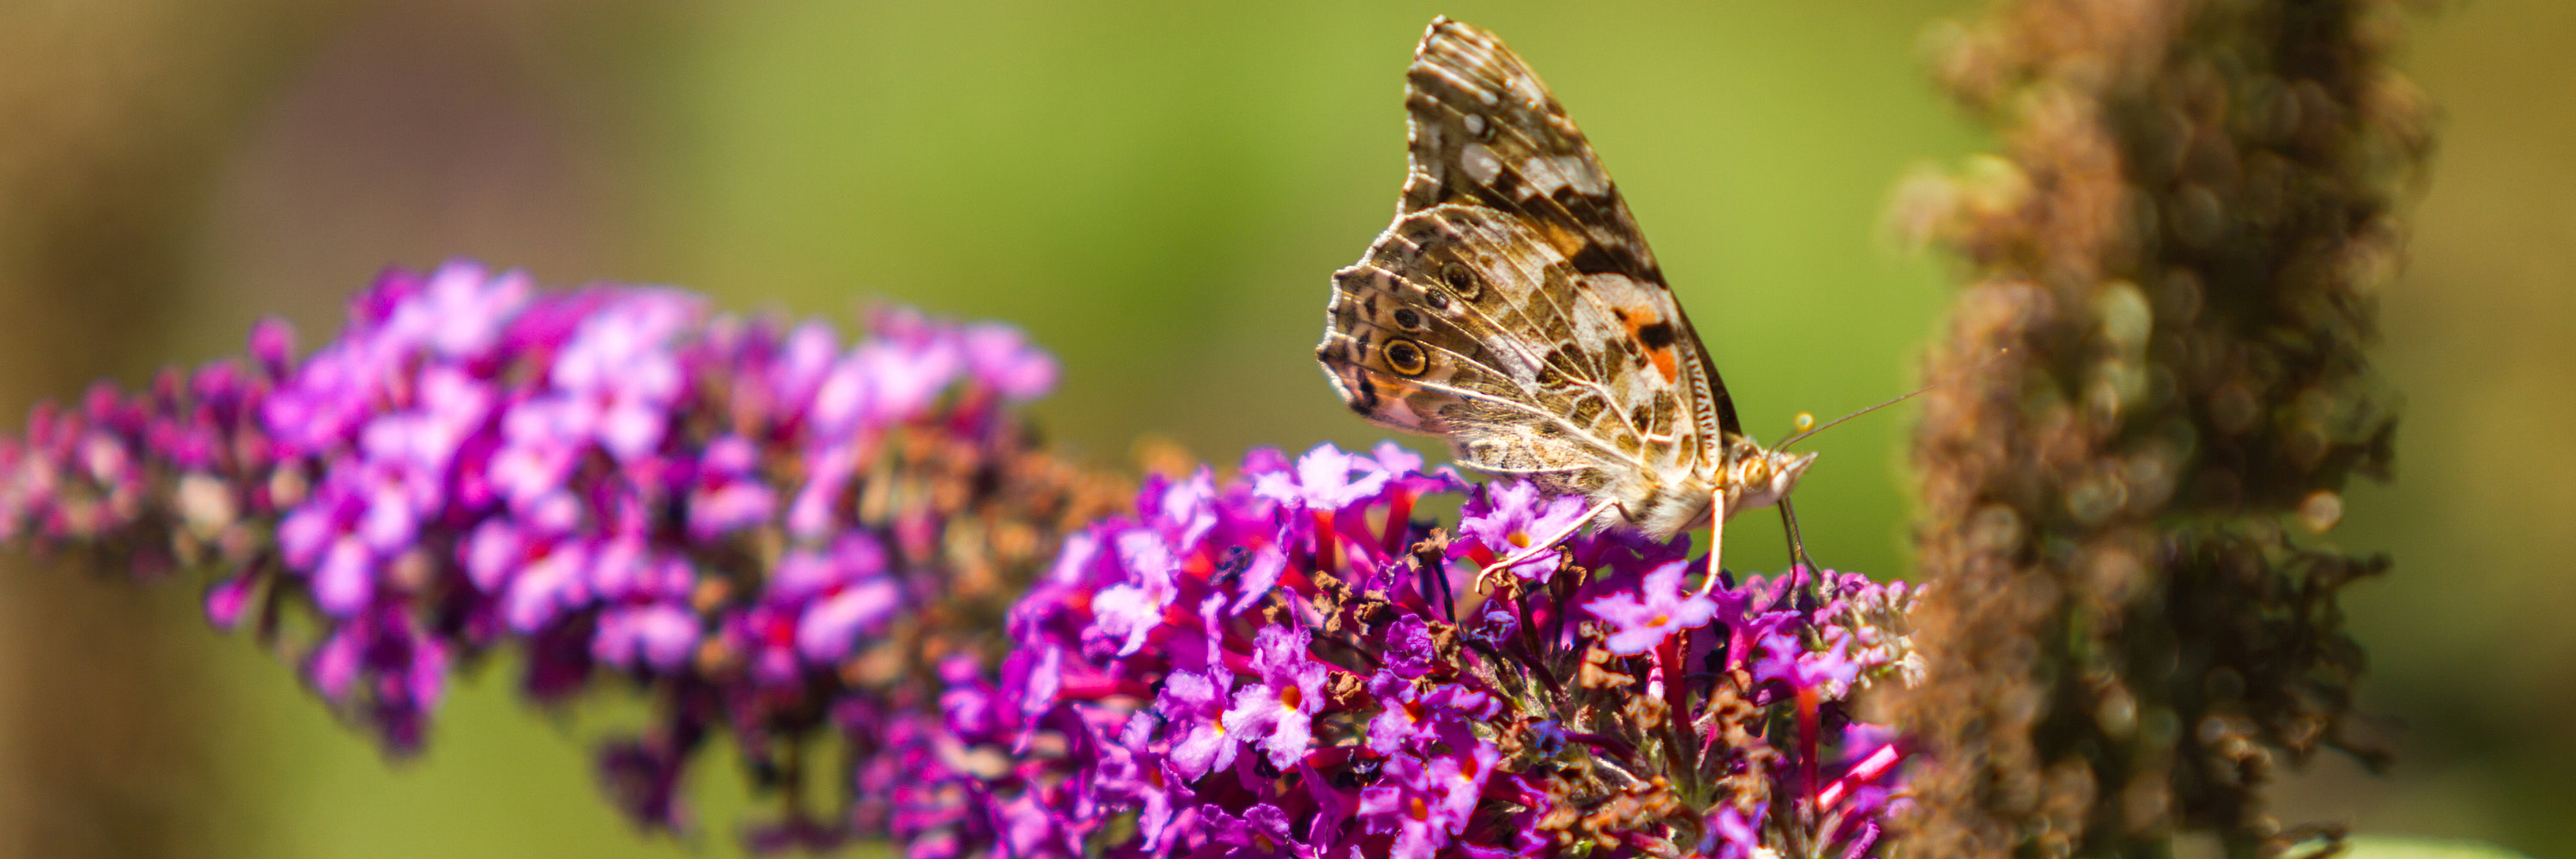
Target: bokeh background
(1156,192)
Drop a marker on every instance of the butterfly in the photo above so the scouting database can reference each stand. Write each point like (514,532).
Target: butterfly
(1514,308)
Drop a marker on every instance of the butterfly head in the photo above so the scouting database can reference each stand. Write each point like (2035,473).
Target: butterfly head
(1758,477)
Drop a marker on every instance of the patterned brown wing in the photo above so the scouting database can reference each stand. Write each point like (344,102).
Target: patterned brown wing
(1460,321)
(1485,131)
(1514,308)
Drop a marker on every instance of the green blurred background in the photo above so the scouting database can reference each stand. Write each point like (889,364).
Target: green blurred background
(1157,193)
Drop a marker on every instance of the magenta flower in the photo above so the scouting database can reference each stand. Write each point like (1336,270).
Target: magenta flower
(1261,833)
(1277,711)
(1426,804)
(1409,650)
(1514,519)
(1325,479)
(654,636)
(1131,610)
(1193,703)
(728,495)
(1413,717)
(615,381)
(1785,660)
(1656,610)
(1735,835)
(1004,361)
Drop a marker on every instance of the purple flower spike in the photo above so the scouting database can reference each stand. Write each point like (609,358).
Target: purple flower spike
(1658,609)
(731,515)
(1218,616)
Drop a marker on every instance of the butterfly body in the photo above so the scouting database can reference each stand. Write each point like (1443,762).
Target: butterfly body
(1514,308)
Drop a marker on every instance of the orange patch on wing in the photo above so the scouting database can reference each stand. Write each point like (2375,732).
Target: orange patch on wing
(1639,321)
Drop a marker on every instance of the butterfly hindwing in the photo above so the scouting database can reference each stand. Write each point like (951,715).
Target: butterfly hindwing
(1426,334)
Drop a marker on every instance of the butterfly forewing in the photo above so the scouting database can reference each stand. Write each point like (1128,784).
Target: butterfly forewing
(1485,130)
(1514,307)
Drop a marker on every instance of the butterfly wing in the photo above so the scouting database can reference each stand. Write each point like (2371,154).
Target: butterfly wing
(1484,130)
(1423,338)
(1514,307)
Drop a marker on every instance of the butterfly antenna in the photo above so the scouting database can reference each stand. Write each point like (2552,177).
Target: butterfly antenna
(1789,516)
(1803,434)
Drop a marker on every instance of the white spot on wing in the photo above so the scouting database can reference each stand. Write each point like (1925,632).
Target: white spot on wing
(1475,125)
(1578,172)
(1541,174)
(1529,91)
(1480,162)
(1462,85)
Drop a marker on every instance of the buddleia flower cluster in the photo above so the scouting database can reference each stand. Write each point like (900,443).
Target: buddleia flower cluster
(851,562)
(778,537)
(1288,664)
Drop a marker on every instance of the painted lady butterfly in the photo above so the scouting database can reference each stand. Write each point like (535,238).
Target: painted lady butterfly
(1514,308)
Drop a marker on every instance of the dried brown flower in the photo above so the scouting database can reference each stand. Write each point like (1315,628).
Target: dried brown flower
(2150,394)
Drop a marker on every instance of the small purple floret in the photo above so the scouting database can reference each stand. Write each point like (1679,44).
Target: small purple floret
(1657,609)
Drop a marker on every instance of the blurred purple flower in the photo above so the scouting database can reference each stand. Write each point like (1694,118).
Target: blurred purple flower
(599,480)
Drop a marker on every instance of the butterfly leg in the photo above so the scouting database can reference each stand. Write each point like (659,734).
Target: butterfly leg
(1538,548)
(1716,540)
